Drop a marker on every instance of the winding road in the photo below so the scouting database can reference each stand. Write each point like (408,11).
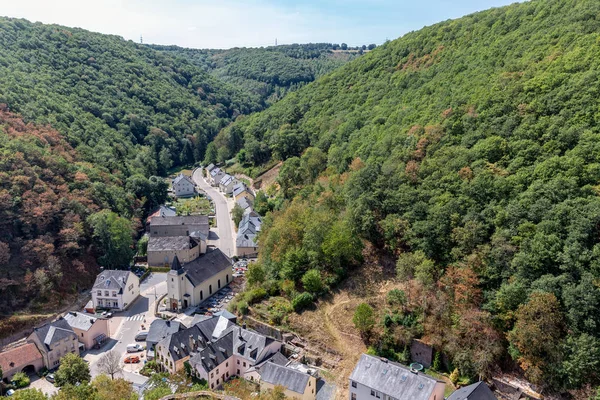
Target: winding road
(223,236)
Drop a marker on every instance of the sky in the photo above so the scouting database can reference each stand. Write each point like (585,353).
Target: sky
(246,23)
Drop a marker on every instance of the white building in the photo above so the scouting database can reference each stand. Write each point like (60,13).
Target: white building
(376,378)
(183,186)
(190,284)
(215,176)
(227,183)
(115,289)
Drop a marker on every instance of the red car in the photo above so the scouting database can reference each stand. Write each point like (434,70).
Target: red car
(132,360)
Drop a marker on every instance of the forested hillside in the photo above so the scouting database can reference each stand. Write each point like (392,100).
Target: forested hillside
(470,152)
(269,72)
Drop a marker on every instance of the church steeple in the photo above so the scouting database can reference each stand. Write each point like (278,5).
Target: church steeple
(176,266)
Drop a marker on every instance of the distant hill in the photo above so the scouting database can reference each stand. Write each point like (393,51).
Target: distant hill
(268,72)
(468,151)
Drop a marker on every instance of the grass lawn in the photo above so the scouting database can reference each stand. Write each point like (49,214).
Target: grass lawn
(199,205)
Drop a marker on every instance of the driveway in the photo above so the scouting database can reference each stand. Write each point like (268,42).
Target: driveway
(125,325)
(223,236)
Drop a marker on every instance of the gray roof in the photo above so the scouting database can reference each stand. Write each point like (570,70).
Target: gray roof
(476,391)
(244,203)
(250,345)
(392,379)
(207,265)
(214,353)
(170,243)
(160,329)
(226,314)
(275,358)
(210,167)
(239,188)
(217,173)
(189,220)
(292,379)
(165,211)
(181,177)
(226,180)
(80,320)
(53,332)
(248,229)
(112,279)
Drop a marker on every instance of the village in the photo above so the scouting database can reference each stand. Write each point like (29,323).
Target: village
(169,314)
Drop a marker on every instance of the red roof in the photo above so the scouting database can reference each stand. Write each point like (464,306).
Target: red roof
(19,357)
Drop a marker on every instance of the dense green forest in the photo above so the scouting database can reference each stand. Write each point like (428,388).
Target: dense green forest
(468,151)
(268,72)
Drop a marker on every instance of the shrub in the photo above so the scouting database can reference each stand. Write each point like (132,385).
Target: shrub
(312,281)
(256,295)
(243,308)
(302,301)
(21,380)
(288,288)
(363,318)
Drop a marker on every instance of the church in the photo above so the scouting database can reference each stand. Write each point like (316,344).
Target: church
(190,284)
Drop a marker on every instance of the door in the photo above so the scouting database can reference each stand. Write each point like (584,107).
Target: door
(185,303)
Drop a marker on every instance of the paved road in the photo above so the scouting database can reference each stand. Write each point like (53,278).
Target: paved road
(124,326)
(223,235)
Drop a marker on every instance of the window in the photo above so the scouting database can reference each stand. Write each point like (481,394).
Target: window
(377,395)
(201,295)
(372,392)
(238,363)
(99,292)
(353,397)
(114,294)
(219,283)
(212,375)
(227,278)
(238,371)
(244,364)
(217,371)
(217,382)
(209,289)
(172,280)
(81,334)
(353,384)
(106,293)
(227,364)
(212,385)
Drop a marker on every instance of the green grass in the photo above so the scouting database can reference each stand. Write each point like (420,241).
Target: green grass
(199,205)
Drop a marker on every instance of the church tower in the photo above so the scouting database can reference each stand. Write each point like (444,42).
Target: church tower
(176,285)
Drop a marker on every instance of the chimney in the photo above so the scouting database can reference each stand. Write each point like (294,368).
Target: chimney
(244,325)
(192,343)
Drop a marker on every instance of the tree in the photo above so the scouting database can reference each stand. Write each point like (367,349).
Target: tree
(73,369)
(372,46)
(142,245)
(113,389)
(255,274)
(237,214)
(83,391)
(4,253)
(113,238)
(29,394)
(364,319)
(312,281)
(21,380)
(582,361)
(261,203)
(210,157)
(537,334)
(110,363)
(344,46)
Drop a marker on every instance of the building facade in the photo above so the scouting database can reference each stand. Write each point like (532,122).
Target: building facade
(91,331)
(183,186)
(54,340)
(162,250)
(115,289)
(298,385)
(25,358)
(188,225)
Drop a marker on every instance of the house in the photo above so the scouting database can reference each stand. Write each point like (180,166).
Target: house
(183,186)
(476,391)
(240,190)
(378,378)
(54,340)
(161,211)
(244,203)
(160,329)
(162,250)
(190,284)
(298,385)
(91,331)
(188,225)
(235,352)
(246,240)
(25,358)
(115,289)
(227,183)
(215,176)
(208,169)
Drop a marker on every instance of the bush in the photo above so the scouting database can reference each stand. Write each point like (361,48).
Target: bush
(243,308)
(256,295)
(288,288)
(149,368)
(302,301)
(21,380)
(312,281)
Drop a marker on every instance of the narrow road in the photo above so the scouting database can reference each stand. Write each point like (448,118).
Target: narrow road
(223,236)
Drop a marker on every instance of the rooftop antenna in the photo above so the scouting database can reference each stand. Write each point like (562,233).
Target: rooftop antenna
(275,41)
(141,40)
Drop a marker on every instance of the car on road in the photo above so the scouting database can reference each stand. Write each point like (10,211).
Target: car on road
(107,314)
(132,360)
(141,336)
(50,378)
(134,348)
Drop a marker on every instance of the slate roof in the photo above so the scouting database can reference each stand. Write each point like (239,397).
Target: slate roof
(239,188)
(244,203)
(248,229)
(213,327)
(249,344)
(476,391)
(207,265)
(19,356)
(275,358)
(181,177)
(392,379)
(215,171)
(179,344)
(210,167)
(80,320)
(292,379)
(214,354)
(170,243)
(112,279)
(160,329)
(226,180)
(54,332)
(189,220)
(176,265)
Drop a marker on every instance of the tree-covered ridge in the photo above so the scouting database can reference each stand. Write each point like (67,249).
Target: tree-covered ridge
(469,151)
(123,105)
(268,72)
(49,201)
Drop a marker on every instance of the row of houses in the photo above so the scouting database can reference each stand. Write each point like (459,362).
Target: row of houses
(217,349)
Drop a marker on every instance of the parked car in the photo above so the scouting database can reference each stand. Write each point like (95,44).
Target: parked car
(107,314)
(132,360)
(141,336)
(50,378)
(10,392)
(134,347)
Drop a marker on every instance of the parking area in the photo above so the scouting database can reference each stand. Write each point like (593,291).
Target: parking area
(42,384)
